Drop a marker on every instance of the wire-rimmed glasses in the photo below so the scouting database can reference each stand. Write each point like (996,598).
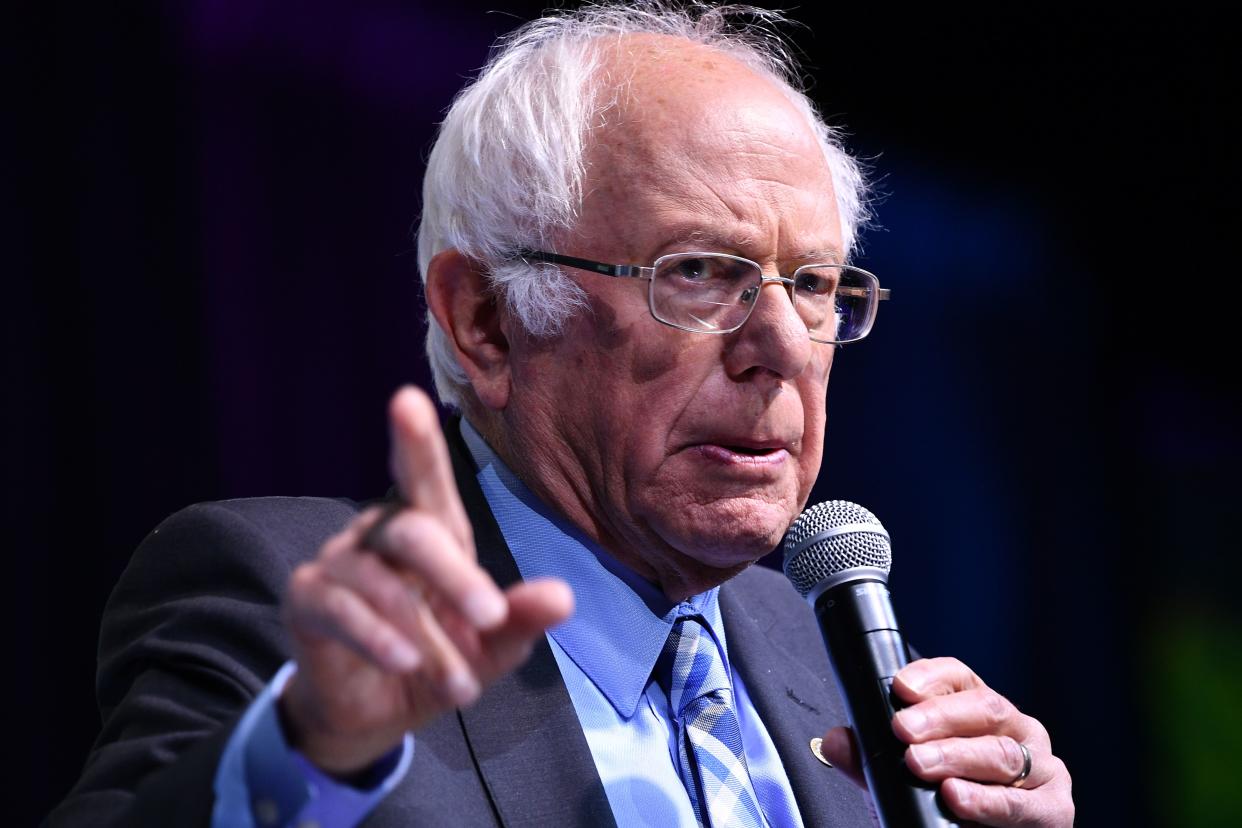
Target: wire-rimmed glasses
(715,293)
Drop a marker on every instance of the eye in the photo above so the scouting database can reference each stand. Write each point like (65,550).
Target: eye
(817,282)
(694,270)
(717,270)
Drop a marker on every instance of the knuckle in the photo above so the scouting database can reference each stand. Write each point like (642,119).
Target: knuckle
(1012,759)
(996,708)
(997,804)
(949,667)
(1011,804)
(960,672)
(391,597)
(1039,733)
(335,603)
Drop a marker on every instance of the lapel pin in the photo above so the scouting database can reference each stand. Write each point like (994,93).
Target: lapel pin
(816,743)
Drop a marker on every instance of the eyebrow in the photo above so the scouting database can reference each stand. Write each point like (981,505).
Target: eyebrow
(716,240)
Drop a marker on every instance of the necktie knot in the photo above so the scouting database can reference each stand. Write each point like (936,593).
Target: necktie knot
(695,666)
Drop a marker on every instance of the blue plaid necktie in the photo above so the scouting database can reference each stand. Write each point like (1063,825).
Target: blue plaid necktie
(713,764)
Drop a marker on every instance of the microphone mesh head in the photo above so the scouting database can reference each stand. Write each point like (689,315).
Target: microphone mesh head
(832,537)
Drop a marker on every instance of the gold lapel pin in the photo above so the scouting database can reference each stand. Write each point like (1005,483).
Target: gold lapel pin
(816,744)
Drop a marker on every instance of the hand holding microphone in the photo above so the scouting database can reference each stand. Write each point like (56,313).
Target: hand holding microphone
(932,741)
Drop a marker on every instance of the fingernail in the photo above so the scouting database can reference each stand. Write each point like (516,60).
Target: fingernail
(926,756)
(485,609)
(463,688)
(914,721)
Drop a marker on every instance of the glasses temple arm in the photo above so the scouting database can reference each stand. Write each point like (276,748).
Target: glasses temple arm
(631,271)
(882,294)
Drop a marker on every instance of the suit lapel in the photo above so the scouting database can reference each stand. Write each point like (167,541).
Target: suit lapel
(794,703)
(523,733)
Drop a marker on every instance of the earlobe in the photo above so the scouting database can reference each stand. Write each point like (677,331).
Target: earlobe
(460,300)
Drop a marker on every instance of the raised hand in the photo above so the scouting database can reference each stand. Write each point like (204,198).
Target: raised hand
(394,623)
(970,739)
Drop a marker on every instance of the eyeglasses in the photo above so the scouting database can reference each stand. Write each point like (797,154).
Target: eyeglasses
(716,293)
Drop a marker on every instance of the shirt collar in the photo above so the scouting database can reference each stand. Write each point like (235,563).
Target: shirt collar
(620,621)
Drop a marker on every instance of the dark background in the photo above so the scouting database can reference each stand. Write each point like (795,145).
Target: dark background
(211,291)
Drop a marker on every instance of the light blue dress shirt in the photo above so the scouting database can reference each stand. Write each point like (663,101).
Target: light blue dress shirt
(606,653)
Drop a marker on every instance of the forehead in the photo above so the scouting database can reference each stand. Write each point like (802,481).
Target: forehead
(695,145)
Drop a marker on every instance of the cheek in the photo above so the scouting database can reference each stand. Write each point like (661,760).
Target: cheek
(809,464)
(814,392)
(632,386)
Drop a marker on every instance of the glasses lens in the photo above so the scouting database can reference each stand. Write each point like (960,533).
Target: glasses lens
(835,301)
(714,293)
(815,294)
(700,292)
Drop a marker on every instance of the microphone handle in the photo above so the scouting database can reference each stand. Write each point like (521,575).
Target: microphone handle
(867,650)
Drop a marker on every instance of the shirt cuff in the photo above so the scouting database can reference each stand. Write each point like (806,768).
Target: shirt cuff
(263,782)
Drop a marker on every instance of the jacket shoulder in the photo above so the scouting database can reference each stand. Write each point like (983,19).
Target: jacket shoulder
(191,633)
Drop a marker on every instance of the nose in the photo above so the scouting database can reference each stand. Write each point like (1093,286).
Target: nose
(774,340)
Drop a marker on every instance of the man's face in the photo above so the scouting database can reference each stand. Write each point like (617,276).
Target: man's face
(686,455)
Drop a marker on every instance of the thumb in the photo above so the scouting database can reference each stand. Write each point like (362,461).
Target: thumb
(841,749)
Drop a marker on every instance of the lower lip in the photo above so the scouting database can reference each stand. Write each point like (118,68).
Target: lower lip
(728,457)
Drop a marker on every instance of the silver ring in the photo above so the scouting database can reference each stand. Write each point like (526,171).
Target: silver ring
(1020,779)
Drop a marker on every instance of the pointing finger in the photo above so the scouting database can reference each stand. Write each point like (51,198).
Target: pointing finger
(978,712)
(420,462)
(929,677)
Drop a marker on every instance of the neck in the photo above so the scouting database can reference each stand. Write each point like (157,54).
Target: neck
(674,574)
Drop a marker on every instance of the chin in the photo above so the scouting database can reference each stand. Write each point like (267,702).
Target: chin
(730,533)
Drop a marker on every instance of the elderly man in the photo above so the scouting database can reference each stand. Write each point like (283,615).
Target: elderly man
(634,247)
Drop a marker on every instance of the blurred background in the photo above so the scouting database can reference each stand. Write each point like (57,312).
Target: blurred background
(211,292)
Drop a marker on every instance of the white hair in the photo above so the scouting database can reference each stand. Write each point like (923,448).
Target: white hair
(507,168)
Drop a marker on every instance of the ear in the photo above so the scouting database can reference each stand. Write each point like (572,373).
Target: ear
(459,298)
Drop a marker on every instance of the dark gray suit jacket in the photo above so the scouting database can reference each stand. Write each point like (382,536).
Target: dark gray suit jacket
(192,633)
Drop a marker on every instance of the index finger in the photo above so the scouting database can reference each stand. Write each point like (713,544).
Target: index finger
(420,462)
(929,677)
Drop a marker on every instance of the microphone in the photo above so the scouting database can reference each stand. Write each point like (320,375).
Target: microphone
(837,555)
